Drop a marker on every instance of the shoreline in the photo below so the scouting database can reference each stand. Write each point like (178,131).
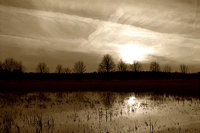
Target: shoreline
(176,86)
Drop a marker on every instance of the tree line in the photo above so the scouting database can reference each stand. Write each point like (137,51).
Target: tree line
(106,65)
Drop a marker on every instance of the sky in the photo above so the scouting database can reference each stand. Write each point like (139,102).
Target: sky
(66,31)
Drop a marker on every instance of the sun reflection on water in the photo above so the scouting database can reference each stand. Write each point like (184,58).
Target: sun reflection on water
(131,100)
(133,104)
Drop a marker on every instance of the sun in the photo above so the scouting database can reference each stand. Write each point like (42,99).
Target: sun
(133,52)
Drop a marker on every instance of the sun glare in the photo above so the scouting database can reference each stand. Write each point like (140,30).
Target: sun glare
(132,52)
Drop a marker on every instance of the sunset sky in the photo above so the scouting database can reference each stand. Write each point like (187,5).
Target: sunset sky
(65,31)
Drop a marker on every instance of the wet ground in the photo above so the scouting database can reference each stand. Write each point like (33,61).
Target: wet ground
(98,112)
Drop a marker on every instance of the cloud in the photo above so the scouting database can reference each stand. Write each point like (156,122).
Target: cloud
(170,29)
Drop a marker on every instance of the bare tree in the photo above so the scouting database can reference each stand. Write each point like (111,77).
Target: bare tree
(154,67)
(60,69)
(183,68)
(167,69)
(79,67)
(136,66)
(67,70)
(42,68)
(11,65)
(20,67)
(122,66)
(107,64)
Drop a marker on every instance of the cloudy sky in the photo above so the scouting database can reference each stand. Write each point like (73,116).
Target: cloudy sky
(65,31)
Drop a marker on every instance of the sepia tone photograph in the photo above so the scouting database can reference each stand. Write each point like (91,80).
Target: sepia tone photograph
(99,66)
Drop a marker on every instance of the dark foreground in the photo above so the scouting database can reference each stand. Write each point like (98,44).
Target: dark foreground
(177,86)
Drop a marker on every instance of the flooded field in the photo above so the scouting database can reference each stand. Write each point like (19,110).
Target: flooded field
(98,112)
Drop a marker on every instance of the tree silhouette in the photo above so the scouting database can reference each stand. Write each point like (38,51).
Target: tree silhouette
(67,70)
(167,69)
(11,65)
(20,67)
(59,69)
(122,66)
(79,67)
(136,66)
(183,68)
(42,68)
(107,64)
(1,69)
(154,67)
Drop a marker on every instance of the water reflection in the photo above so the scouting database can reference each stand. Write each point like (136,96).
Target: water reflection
(94,112)
(133,104)
(131,100)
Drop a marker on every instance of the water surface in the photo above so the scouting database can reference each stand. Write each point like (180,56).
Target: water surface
(98,112)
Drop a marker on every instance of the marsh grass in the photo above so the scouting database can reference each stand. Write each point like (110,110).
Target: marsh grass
(95,112)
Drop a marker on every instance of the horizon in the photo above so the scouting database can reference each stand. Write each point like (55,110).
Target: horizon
(126,67)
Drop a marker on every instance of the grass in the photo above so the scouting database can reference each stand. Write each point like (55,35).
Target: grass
(93,112)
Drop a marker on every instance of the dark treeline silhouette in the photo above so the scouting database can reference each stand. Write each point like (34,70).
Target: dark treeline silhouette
(109,77)
(42,68)
(10,65)
(79,67)
(107,64)
(122,67)
(107,69)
